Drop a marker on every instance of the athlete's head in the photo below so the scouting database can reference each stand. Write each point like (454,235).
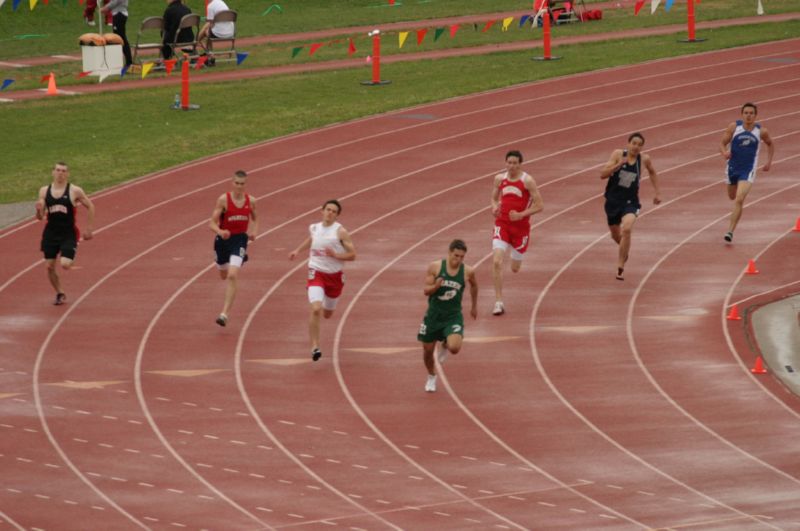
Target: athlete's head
(239,179)
(750,106)
(514,153)
(335,204)
(60,171)
(513,162)
(457,251)
(749,112)
(635,143)
(330,211)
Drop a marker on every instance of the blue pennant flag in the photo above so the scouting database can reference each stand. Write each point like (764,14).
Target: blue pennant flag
(668,5)
(240,57)
(6,82)
(523,20)
(16,4)
(124,70)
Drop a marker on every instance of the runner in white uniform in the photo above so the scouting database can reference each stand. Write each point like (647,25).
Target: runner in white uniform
(330,246)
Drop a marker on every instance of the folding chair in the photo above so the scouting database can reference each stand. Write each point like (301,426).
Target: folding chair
(230,51)
(153,24)
(191,20)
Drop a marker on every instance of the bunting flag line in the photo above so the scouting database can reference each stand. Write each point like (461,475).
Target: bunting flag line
(200,62)
(240,57)
(488,25)
(146,69)
(124,71)
(668,5)
(759,9)
(437,34)
(523,20)
(84,74)
(654,5)
(507,22)
(401,38)
(6,82)
(314,47)
(169,64)
(454,30)
(15,4)
(296,51)
(351,47)
(421,35)
(33,4)
(638,6)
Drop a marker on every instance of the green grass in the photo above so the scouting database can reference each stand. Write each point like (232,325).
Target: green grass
(111,137)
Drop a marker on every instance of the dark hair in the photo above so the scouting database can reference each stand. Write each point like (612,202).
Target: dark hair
(748,104)
(636,135)
(458,244)
(514,153)
(332,202)
(240,173)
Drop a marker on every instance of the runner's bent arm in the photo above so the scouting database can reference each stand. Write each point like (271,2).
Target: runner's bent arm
(40,213)
(770,148)
(614,163)
(300,248)
(252,227)
(219,208)
(82,198)
(727,136)
(496,194)
(653,178)
(473,290)
(432,281)
(349,253)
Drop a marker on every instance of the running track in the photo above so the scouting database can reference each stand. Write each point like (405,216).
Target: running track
(592,404)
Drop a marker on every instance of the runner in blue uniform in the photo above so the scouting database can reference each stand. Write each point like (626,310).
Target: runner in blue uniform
(623,171)
(744,137)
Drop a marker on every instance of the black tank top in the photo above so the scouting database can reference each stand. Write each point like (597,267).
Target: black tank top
(623,185)
(60,212)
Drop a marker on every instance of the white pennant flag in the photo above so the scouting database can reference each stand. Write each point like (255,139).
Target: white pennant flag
(759,11)
(654,5)
(2,2)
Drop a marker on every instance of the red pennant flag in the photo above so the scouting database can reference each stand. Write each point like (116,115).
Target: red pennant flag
(169,64)
(638,6)
(421,35)
(488,25)
(453,30)
(314,47)
(200,62)
(45,78)
(84,74)
(351,48)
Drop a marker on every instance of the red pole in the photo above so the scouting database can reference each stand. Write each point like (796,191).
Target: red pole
(546,29)
(376,58)
(690,19)
(185,84)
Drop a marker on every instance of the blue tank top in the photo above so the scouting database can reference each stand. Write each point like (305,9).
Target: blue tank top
(744,149)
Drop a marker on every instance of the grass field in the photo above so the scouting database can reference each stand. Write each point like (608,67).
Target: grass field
(108,138)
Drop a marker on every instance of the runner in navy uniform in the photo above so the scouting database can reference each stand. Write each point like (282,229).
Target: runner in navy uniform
(745,137)
(57,203)
(623,171)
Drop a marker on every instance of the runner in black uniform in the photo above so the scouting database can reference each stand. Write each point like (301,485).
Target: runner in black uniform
(57,203)
(624,171)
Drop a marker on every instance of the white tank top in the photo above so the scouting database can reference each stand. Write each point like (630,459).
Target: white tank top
(322,238)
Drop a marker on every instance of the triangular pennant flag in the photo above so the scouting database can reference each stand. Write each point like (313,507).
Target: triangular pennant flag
(6,82)
(759,9)
(401,38)
(654,5)
(421,35)
(437,34)
(15,4)
(2,2)
(102,76)
(240,57)
(296,51)
(523,20)
(488,25)
(668,5)
(200,62)
(45,78)
(146,69)
(314,47)
(33,4)
(169,64)
(638,6)
(84,74)
(507,22)
(124,70)
(351,47)
(454,30)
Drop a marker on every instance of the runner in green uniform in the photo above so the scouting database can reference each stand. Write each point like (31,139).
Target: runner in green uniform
(444,286)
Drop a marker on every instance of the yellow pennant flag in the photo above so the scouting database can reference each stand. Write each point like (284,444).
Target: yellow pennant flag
(146,69)
(402,36)
(507,22)
(33,4)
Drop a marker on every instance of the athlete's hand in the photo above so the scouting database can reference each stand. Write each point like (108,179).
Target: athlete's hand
(474,312)
(656,200)
(87,234)
(224,234)
(251,237)
(495,210)
(292,255)
(726,155)
(330,252)
(514,215)
(766,166)
(437,283)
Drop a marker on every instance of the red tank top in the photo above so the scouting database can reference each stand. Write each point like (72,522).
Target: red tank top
(513,196)
(236,219)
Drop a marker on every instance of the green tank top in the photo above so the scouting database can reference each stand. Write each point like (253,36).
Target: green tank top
(446,300)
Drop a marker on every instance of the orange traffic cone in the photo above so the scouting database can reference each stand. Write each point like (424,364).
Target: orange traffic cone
(758,367)
(733,315)
(751,268)
(51,85)
(797,225)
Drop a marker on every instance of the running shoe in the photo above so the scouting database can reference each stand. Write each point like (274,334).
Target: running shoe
(499,309)
(430,385)
(60,299)
(728,237)
(316,354)
(222,320)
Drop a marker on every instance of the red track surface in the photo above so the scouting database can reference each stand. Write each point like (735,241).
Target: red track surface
(591,404)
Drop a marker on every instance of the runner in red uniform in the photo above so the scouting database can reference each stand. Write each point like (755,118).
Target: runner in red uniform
(57,204)
(329,247)
(230,221)
(515,199)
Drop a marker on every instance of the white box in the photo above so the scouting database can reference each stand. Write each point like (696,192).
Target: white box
(102,59)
